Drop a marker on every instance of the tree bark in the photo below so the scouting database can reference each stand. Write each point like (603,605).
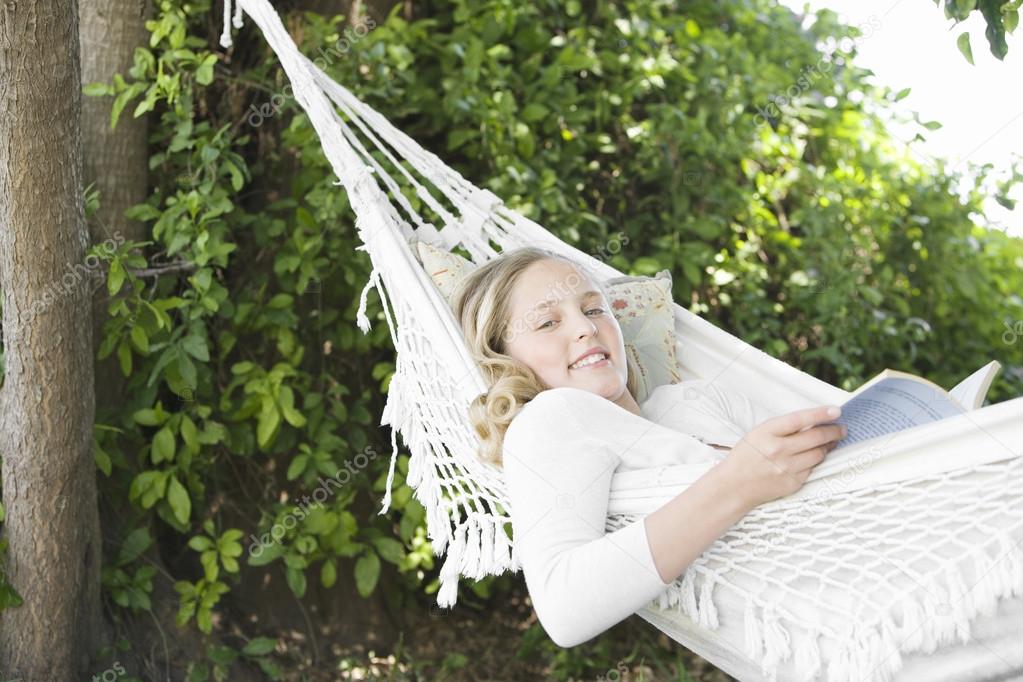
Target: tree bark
(115,161)
(46,403)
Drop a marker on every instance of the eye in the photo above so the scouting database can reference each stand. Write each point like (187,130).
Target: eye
(544,325)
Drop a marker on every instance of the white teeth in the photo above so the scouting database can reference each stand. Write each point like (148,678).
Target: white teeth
(588,360)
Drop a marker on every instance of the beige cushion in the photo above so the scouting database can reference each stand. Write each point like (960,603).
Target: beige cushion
(642,306)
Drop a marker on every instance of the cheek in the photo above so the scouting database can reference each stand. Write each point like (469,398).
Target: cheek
(609,327)
(542,358)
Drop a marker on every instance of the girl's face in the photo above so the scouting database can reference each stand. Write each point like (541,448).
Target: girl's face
(557,315)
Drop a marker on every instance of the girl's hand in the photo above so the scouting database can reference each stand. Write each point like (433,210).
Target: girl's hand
(775,458)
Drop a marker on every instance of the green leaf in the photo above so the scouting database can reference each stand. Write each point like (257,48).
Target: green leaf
(963,42)
(1010,19)
(242,367)
(367,570)
(237,178)
(164,445)
(286,400)
(259,646)
(390,549)
(200,543)
(295,578)
(328,573)
(137,542)
(902,94)
(119,103)
(204,74)
(263,554)
(189,433)
(297,467)
(101,458)
(140,339)
(116,277)
(124,358)
(148,487)
(196,347)
(97,89)
(179,500)
(269,420)
(534,111)
(188,371)
(149,417)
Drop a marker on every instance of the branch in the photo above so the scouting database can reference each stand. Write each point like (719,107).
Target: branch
(165,269)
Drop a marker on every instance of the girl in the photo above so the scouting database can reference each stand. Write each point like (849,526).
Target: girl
(561,418)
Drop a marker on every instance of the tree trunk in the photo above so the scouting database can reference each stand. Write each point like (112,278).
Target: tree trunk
(46,403)
(115,161)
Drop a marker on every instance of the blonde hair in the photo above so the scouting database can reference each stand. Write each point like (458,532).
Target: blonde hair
(482,306)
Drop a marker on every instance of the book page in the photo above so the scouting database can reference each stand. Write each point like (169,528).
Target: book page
(891,405)
(972,390)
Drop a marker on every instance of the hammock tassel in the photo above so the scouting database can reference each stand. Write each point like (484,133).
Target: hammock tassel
(386,504)
(754,637)
(935,600)
(448,593)
(687,597)
(808,657)
(910,632)
(708,612)
(488,558)
(777,645)
(1010,565)
(225,34)
(470,564)
(504,551)
(838,666)
(360,316)
(961,604)
(863,652)
(982,593)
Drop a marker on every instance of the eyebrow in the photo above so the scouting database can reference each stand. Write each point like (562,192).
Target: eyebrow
(543,305)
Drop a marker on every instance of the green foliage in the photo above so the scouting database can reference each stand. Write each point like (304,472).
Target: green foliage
(9,597)
(233,326)
(1000,16)
(723,142)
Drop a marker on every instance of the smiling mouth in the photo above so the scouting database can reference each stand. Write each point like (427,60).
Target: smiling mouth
(591,361)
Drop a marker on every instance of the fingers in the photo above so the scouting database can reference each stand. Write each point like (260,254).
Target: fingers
(800,419)
(808,460)
(814,437)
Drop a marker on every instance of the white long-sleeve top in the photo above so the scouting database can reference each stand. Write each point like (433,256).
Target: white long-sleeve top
(560,452)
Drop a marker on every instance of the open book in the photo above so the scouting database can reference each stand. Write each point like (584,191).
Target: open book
(894,400)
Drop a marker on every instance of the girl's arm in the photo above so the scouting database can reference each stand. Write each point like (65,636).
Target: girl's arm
(689,523)
(581,579)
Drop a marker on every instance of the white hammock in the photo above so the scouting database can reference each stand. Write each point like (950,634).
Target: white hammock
(875,557)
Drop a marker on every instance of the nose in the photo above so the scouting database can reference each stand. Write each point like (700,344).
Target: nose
(586,328)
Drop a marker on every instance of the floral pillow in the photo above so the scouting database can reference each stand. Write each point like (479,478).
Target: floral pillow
(642,306)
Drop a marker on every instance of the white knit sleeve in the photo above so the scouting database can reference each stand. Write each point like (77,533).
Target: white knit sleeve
(581,580)
(734,406)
